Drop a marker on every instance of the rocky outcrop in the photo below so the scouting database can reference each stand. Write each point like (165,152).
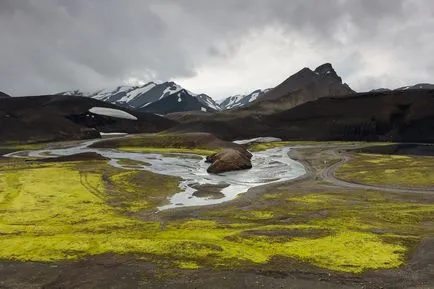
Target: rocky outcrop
(229,160)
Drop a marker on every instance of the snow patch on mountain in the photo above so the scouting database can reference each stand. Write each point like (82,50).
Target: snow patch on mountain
(112,112)
(133,93)
(239,101)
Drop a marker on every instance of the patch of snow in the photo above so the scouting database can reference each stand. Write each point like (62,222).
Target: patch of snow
(136,92)
(203,109)
(112,134)
(170,90)
(112,113)
(257,140)
(104,94)
(254,96)
(179,98)
(208,101)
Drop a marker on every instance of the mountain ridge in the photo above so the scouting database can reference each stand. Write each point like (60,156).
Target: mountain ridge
(150,96)
(4,95)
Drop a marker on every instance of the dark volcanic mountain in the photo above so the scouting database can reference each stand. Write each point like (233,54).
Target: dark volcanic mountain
(152,96)
(53,118)
(304,86)
(3,95)
(404,116)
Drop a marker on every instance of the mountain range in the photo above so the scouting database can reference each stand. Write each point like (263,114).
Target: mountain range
(310,105)
(153,97)
(169,97)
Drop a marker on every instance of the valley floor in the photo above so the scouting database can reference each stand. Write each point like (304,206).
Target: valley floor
(355,220)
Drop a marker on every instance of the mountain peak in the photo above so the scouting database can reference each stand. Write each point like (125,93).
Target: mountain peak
(327,69)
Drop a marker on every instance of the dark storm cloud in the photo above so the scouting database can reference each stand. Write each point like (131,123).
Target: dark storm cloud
(54,45)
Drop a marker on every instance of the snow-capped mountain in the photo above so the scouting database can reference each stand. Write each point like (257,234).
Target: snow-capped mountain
(238,101)
(154,97)
(416,86)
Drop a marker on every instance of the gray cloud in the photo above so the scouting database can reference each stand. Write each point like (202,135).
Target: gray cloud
(54,45)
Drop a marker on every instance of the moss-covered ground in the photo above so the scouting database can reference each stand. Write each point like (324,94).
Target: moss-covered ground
(192,143)
(256,147)
(390,170)
(63,211)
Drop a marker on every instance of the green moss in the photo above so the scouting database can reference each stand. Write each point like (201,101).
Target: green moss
(191,143)
(267,145)
(255,147)
(188,265)
(390,170)
(53,212)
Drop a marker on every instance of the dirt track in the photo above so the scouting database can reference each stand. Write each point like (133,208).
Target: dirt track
(328,175)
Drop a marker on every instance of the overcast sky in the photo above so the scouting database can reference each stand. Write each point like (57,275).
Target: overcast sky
(221,48)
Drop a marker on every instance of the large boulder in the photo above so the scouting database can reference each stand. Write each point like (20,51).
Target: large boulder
(229,160)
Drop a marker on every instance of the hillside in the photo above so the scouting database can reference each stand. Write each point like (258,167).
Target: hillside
(53,118)
(406,115)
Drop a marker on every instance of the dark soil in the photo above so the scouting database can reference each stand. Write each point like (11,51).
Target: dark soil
(88,156)
(209,191)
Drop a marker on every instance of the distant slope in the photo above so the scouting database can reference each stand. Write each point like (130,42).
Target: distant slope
(239,101)
(152,96)
(404,116)
(411,87)
(53,118)
(3,95)
(181,101)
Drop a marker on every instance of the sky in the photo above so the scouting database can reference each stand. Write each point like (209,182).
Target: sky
(221,48)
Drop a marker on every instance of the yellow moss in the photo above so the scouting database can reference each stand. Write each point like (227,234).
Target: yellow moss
(268,145)
(188,265)
(348,252)
(256,215)
(255,147)
(61,211)
(393,170)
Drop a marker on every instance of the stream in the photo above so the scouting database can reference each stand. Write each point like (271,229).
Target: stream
(269,166)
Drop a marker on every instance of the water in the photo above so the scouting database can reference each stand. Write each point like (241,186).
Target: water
(270,166)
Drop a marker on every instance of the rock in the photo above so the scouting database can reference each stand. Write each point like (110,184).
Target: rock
(229,160)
